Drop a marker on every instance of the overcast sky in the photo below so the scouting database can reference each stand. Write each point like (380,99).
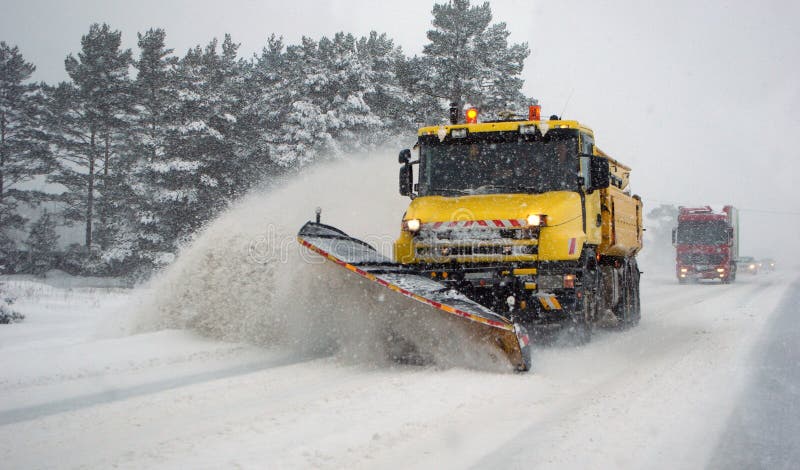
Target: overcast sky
(702,99)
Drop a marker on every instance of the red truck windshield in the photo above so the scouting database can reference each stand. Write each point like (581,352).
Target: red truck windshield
(705,232)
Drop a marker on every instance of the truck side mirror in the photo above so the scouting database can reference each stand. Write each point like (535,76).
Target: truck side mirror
(599,173)
(406,179)
(405,156)
(674,236)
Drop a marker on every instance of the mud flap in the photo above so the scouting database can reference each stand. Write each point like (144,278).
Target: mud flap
(480,323)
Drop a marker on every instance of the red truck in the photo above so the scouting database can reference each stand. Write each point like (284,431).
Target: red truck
(706,243)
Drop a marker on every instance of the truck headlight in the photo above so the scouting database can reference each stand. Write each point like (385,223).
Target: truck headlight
(412,225)
(535,220)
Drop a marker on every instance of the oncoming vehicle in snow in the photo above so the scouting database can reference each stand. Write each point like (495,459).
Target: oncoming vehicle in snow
(706,244)
(768,264)
(749,265)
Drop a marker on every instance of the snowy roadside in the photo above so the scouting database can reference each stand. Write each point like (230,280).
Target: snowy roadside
(61,354)
(657,396)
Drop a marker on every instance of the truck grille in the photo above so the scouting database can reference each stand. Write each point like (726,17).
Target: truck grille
(444,243)
(447,251)
(478,233)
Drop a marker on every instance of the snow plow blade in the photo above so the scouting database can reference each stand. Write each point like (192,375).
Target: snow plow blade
(476,321)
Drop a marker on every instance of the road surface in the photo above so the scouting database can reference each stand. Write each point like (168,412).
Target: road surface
(674,392)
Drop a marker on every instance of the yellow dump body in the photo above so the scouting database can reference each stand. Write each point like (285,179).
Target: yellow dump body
(608,219)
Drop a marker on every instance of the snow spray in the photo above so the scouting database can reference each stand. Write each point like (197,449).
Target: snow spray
(246,279)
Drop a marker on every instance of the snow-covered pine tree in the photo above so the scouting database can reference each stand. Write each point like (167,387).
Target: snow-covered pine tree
(500,76)
(245,164)
(414,77)
(23,143)
(471,61)
(87,118)
(350,121)
(204,167)
(386,98)
(265,106)
(304,135)
(42,244)
(155,101)
(7,314)
(9,259)
(325,85)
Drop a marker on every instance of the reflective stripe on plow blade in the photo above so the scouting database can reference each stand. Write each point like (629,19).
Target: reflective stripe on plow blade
(549,302)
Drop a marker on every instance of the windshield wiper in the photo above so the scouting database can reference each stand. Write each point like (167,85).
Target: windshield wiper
(484,189)
(451,190)
(490,187)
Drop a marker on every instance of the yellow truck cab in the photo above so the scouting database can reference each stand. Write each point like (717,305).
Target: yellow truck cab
(527,217)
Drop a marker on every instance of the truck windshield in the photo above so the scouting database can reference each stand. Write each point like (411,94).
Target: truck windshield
(482,167)
(706,232)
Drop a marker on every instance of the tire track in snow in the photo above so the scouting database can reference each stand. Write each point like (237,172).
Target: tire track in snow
(17,415)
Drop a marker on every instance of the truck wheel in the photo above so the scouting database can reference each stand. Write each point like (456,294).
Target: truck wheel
(627,310)
(580,332)
(581,325)
(636,298)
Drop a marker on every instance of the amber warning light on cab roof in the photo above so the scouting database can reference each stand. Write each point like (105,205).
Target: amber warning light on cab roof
(535,113)
(472,115)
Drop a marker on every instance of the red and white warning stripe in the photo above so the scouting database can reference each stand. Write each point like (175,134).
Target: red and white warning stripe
(494,223)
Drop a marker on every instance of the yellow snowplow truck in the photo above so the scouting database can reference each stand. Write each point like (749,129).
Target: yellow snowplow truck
(525,218)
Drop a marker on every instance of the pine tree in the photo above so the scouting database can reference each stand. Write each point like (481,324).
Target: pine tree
(7,314)
(23,144)
(326,85)
(42,243)
(87,120)
(264,101)
(155,101)
(8,254)
(304,134)
(265,107)
(207,162)
(415,77)
(471,61)
(351,122)
(387,98)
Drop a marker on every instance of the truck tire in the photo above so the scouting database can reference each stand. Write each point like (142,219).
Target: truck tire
(581,325)
(581,328)
(627,309)
(635,293)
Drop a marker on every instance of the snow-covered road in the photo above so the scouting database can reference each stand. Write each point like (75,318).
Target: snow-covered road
(657,396)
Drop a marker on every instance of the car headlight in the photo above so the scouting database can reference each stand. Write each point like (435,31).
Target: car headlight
(412,225)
